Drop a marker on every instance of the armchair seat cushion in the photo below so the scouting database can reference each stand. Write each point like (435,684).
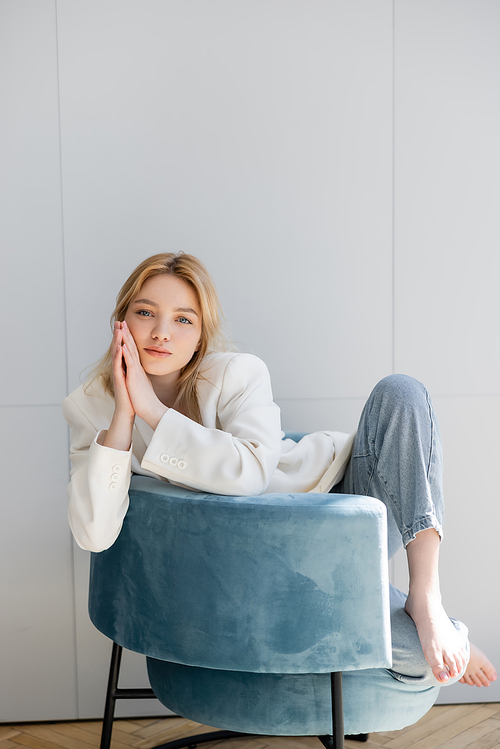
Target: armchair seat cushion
(288,704)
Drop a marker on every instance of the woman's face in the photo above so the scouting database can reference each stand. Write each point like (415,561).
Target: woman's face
(164,319)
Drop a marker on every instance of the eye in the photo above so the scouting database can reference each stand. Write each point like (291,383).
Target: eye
(184,320)
(144,313)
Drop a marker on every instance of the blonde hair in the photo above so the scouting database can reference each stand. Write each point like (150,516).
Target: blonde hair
(192,271)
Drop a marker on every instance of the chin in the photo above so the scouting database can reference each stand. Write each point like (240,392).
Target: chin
(158,372)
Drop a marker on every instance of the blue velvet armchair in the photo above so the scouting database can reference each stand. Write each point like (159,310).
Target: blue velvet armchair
(256,613)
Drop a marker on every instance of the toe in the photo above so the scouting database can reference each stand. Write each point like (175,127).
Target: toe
(441,673)
(475,679)
(490,672)
(453,664)
(482,677)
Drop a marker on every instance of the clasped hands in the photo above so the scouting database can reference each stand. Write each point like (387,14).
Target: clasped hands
(134,392)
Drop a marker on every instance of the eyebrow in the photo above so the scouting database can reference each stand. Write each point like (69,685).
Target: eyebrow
(187,309)
(145,301)
(153,304)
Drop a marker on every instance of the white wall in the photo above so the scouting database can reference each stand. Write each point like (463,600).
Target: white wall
(336,166)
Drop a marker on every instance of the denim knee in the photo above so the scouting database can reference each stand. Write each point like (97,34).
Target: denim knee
(400,387)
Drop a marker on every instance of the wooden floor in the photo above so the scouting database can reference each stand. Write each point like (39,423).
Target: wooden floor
(444,727)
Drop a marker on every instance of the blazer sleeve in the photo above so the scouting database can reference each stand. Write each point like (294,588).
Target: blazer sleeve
(237,459)
(100,478)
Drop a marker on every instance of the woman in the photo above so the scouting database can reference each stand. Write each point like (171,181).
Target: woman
(169,400)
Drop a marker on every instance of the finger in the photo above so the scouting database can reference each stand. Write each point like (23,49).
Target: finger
(117,355)
(119,371)
(133,355)
(117,329)
(130,339)
(128,360)
(117,337)
(117,347)
(118,361)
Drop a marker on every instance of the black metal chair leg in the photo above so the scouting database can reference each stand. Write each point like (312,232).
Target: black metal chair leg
(113,694)
(109,710)
(201,738)
(357,737)
(337,710)
(336,740)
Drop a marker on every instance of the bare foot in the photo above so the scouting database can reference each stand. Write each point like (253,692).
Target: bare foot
(480,672)
(440,641)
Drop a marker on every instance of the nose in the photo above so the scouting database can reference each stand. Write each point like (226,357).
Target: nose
(161,331)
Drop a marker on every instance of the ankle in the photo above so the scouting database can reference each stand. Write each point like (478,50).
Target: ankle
(423,603)
(427,592)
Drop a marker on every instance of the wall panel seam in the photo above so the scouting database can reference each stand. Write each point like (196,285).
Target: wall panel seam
(66,353)
(393,186)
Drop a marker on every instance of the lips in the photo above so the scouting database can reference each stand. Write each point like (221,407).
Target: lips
(158,352)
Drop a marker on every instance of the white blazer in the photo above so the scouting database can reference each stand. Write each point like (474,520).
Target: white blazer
(237,450)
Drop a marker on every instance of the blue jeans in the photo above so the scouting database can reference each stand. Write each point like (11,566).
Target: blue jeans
(398,458)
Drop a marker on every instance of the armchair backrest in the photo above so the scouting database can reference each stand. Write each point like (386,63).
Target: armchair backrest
(276,583)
